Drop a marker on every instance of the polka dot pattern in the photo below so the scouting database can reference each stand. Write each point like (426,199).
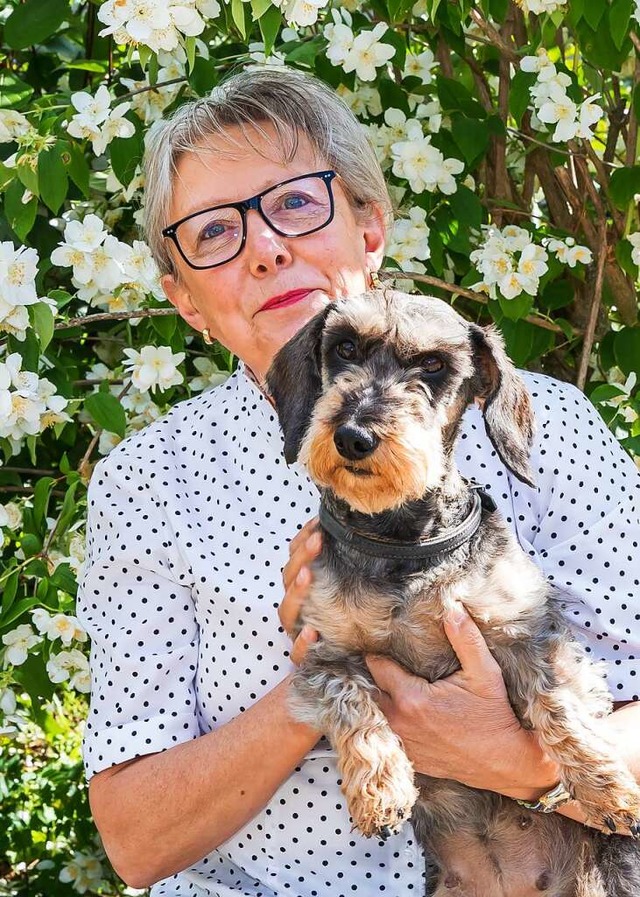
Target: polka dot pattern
(188,527)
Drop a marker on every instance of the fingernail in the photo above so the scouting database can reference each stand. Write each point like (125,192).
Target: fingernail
(457,614)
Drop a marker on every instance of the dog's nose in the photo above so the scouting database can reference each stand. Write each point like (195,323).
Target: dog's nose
(354,442)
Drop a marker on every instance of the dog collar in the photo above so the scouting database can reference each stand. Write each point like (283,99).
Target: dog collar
(436,549)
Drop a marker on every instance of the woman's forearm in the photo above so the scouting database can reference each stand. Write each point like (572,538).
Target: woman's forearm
(159,814)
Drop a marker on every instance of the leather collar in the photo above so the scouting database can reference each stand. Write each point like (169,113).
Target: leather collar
(435,549)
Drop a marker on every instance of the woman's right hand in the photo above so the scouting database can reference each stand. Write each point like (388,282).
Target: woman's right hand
(297,578)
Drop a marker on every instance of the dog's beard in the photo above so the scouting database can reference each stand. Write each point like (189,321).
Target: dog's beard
(407,462)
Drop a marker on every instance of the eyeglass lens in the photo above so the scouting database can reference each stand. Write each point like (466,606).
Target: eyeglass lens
(293,209)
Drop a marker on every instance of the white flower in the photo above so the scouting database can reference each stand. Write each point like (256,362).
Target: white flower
(66,628)
(8,701)
(10,516)
(561,112)
(364,101)
(210,375)
(536,63)
(18,642)
(410,238)
(634,239)
(27,404)
(18,269)
(422,164)
(636,12)
(540,7)
(513,284)
(509,262)
(154,366)
(69,665)
(340,37)
(85,871)
(367,53)
(589,113)
(95,121)
(12,125)
(568,252)
(419,66)
(303,12)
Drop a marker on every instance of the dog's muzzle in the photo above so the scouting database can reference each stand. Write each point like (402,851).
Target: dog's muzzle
(355,443)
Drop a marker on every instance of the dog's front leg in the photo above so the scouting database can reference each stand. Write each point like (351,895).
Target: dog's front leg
(338,698)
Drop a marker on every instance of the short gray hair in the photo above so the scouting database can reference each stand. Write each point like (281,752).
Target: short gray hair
(294,104)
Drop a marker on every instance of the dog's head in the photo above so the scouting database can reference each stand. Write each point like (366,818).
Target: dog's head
(371,392)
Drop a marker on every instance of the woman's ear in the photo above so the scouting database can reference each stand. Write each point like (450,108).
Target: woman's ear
(375,233)
(179,296)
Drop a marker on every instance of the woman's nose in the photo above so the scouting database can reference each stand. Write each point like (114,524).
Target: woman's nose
(267,251)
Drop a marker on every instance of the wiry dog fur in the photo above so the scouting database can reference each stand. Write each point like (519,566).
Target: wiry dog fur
(402,370)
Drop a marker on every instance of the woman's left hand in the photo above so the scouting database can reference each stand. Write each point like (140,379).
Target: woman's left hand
(463,727)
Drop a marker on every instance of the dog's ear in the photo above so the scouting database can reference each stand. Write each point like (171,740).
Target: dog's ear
(295,382)
(508,414)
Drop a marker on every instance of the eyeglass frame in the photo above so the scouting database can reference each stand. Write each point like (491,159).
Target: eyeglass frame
(253,203)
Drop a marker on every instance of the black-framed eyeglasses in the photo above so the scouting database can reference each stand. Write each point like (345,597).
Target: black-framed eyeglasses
(294,208)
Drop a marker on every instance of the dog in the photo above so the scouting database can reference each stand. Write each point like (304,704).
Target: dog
(370,395)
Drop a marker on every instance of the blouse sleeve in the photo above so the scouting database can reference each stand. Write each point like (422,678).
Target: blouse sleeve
(136,604)
(587,529)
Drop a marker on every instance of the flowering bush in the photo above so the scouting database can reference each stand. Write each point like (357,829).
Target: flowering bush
(508,130)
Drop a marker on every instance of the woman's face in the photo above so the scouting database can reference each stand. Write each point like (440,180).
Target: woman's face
(230,300)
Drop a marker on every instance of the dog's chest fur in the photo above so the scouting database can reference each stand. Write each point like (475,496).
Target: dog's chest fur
(360,604)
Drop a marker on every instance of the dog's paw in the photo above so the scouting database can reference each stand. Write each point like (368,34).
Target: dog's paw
(377,780)
(614,809)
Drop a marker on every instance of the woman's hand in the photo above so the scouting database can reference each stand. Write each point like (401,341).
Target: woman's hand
(463,727)
(297,577)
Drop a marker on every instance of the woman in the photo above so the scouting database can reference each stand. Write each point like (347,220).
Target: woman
(264,203)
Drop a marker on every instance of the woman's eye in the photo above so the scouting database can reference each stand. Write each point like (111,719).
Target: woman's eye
(294,201)
(213,230)
(431,364)
(347,350)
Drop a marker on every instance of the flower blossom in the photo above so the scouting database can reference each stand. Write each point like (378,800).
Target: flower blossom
(410,240)
(154,366)
(85,871)
(569,252)
(362,53)
(10,516)
(210,375)
(634,239)
(540,7)
(18,269)
(18,643)
(12,125)
(419,66)
(509,262)
(63,626)
(95,121)
(157,25)
(28,404)
(553,106)
(301,13)
(72,666)
(422,164)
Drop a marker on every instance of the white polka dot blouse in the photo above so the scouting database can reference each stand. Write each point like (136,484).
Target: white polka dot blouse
(189,525)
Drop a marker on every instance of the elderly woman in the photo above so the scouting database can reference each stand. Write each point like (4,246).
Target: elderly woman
(264,203)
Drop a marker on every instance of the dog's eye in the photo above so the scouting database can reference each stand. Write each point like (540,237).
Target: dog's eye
(432,364)
(347,350)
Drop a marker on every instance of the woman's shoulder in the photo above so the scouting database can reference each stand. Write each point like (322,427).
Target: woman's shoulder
(186,419)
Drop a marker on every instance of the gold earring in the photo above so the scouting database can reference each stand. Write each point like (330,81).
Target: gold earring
(375,280)
(206,336)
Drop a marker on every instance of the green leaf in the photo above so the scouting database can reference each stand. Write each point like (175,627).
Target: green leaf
(32,674)
(107,412)
(52,178)
(41,496)
(525,341)
(237,14)
(77,167)
(20,215)
(620,20)
(30,544)
(519,96)
(605,393)
(593,12)
(190,49)
(9,590)
(454,96)
(471,136)
(467,207)
(13,90)
(626,349)
(64,579)
(203,76)
(624,184)
(498,9)
(165,325)
(398,9)
(398,42)
(557,294)
(624,251)
(34,21)
(126,154)
(41,318)
(259,7)
(269,24)
(68,509)
(392,96)
(516,308)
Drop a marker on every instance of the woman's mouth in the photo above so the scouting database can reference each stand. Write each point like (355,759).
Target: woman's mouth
(284,299)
